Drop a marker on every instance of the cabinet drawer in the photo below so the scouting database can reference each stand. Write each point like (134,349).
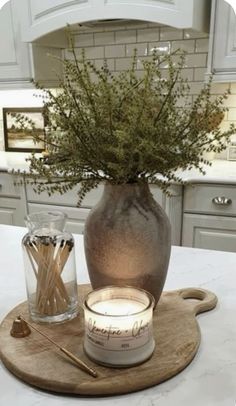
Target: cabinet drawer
(208,198)
(209,232)
(7,187)
(70,198)
(75,216)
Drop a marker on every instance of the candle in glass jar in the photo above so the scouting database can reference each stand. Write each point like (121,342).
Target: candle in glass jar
(118,325)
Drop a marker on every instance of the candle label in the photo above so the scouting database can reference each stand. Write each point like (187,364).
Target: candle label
(118,336)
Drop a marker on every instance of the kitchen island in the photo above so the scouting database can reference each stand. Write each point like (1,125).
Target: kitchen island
(209,380)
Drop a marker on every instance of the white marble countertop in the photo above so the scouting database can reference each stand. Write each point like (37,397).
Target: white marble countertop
(221,171)
(210,378)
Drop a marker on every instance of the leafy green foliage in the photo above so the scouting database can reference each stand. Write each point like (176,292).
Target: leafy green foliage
(125,129)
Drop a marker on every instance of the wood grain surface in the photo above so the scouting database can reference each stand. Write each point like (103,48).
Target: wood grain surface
(37,362)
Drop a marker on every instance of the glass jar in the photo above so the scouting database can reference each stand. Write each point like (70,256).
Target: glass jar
(50,270)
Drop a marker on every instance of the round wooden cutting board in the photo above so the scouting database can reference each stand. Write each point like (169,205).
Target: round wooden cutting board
(37,362)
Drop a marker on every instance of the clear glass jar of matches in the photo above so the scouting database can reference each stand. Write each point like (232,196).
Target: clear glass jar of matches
(50,270)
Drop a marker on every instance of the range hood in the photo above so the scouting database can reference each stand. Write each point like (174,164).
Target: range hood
(44,17)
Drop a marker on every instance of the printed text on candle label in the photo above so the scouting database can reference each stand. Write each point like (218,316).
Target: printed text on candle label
(131,337)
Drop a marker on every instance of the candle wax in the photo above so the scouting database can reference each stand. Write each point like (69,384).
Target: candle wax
(118,307)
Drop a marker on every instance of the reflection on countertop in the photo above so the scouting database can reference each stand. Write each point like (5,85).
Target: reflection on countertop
(221,171)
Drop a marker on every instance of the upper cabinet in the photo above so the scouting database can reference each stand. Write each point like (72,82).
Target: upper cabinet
(222,55)
(49,15)
(15,55)
(20,62)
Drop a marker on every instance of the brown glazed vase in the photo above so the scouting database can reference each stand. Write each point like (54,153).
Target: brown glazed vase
(127,239)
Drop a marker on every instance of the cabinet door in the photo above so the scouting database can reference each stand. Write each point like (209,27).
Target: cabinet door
(222,56)
(209,232)
(15,62)
(11,212)
(75,216)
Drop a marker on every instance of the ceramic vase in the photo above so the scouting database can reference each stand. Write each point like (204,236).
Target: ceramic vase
(127,239)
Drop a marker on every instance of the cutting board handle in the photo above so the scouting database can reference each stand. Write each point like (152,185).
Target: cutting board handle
(207,300)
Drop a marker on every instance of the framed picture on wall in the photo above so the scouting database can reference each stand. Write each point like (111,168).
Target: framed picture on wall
(18,137)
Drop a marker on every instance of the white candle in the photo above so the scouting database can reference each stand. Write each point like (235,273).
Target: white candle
(118,326)
(118,307)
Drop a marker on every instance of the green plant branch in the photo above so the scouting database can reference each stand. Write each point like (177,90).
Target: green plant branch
(125,128)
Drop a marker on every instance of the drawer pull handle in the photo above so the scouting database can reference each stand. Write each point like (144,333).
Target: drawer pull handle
(221,201)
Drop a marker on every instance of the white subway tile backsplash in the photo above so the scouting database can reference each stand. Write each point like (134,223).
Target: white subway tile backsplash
(202,45)
(169,33)
(159,47)
(191,60)
(95,52)
(125,37)
(232,114)
(114,51)
(195,60)
(233,88)
(90,53)
(231,101)
(189,33)
(184,45)
(83,40)
(104,38)
(219,88)
(187,73)
(99,63)
(148,34)
(195,87)
(199,74)
(123,64)
(140,62)
(141,49)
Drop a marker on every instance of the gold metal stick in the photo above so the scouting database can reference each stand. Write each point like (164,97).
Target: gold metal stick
(80,363)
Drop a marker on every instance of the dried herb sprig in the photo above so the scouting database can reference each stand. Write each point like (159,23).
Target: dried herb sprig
(126,129)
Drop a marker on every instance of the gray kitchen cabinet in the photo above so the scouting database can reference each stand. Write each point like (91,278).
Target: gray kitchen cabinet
(21,62)
(222,46)
(209,232)
(15,63)
(209,219)
(12,201)
(51,15)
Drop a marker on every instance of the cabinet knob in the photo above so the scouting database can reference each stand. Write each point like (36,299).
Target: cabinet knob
(221,201)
